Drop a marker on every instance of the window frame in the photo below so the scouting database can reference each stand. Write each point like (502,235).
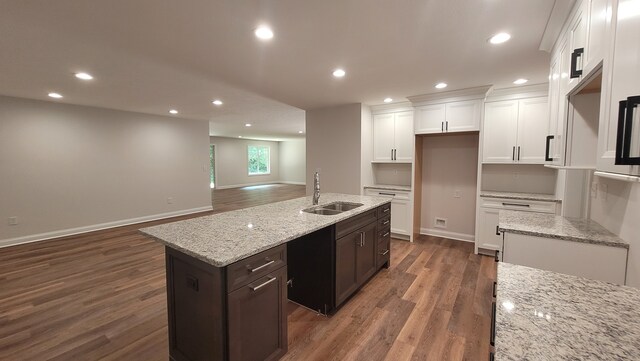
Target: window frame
(268,148)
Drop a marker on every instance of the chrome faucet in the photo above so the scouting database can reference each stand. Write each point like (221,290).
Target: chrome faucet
(316,188)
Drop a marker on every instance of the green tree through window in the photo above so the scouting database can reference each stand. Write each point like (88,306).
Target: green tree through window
(259,160)
(212,168)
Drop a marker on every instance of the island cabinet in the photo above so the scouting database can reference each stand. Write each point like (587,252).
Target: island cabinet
(235,313)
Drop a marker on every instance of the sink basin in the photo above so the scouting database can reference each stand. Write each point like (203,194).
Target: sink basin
(332,208)
(342,206)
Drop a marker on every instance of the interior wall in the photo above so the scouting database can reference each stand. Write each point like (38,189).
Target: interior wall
(293,161)
(232,160)
(527,178)
(449,166)
(334,148)
(618,209)
(67,168)
(392,174)
(366,173)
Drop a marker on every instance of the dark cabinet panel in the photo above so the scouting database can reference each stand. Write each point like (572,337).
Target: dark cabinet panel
(346,272)
(256,266)
(366,254)
(257,326)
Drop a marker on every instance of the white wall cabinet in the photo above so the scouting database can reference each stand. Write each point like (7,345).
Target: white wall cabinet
(401,219)
(598,262)
(515,131)
(459,116)
(393,137)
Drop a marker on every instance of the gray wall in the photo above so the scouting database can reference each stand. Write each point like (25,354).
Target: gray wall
(232,162)
(293,161)
(334,146)
(67,167)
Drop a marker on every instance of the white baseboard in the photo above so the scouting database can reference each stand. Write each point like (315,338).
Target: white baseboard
(258,184)
(294,183)
(450,235)
(96,227)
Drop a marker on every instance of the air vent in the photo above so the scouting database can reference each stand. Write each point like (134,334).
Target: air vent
(440,223)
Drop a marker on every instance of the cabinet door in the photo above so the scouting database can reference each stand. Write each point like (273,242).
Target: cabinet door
(488,239)
(383,136)
(463,116)
(403,139)
(257,324)
(558,144)
(500,132)
(533,128)
(597,34)
(400,216)
(346,272)
(366,254)
(554,101)
(430,119)
(625,82)
(578,40)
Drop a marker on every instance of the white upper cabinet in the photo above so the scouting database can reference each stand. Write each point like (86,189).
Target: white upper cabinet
(515,131)
(459,116)
(622,95)
(577,38)
(393,137)
(597,34)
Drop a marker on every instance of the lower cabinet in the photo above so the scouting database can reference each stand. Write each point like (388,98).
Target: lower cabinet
(356,256)
(593,261)
(401,221)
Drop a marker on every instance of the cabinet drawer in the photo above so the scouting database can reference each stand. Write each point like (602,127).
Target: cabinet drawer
(354,223)
(518,205)
(384,251)
(254,267)
(384,210)
(384,222)
(384,233)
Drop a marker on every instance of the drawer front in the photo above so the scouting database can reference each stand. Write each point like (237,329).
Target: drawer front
(518,205)
(384,210)
(256,266)
(384,233)
(384,251)
(384,222)
(356,222)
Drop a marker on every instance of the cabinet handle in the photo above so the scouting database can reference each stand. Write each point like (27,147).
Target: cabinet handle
(384,253)
(495,288)
(255,288)
(497,230)
(391,153)
(516,204)
(447,126)
(364,239)
(395,154)
(625,131)
(385,234)
(261,267)
(491,356)
(574,62)
(385,222)
(442,127)
(386,209)
(513,153)
(518,153)
(497,259)
(547,158)
(387,194)
(492,340)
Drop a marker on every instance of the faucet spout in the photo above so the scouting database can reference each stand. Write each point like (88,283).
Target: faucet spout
(316,188)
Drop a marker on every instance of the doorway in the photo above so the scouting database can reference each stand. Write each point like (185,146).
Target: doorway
(212,166)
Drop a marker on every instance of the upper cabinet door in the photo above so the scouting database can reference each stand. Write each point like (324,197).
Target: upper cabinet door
(625,82)
(557,150)
(383,137)
(597,34)
(500,132)
(533,128)
(554,100)
(578,41)
(404,136)
(430,119)
(463,116)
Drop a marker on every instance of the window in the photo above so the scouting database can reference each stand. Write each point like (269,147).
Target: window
(259,160)
(212,168)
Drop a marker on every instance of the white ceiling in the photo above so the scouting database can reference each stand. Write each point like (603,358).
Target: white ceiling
(150,56)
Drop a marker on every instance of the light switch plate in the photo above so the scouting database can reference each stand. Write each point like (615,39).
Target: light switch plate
(13,221)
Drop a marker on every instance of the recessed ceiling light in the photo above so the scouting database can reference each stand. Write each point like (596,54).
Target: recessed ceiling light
(55,95)
(217,102)
(520,81)
(499,38)
(247,125)
(84,76)
(173,111)
(339,73)
(441,85)
(300,132)
(239,136)
(264,33)
(388,100)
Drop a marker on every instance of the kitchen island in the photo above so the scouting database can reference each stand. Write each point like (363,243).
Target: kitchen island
(228,274)
(543,315)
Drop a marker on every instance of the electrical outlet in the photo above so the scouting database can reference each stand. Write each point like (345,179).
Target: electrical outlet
(457,194)
(13,221)
(169,200)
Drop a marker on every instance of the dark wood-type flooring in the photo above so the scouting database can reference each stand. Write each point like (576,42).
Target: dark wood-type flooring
(101,296)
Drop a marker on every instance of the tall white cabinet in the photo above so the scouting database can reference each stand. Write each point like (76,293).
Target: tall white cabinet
(393,136)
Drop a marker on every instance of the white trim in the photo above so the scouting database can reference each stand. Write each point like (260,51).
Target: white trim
(97,227)
(258,184)
(450,96)
(445,234)
(557,18)
(616,176)
(518,92)
(293,183)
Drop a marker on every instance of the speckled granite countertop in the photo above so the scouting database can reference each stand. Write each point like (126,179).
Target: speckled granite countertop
(224,238)
(552,226)
(523,196)
(389,187)
(543,315)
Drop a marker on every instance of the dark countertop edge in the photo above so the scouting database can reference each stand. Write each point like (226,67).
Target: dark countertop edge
(564,238)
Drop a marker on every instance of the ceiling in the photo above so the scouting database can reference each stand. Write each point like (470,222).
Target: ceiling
(150,56)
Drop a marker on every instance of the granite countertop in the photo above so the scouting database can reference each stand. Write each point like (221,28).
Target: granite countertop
(523,196)
(543,315)
(553,226)
(224,238)
(389,187)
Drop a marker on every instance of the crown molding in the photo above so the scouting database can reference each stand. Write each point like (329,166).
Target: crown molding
(450,96)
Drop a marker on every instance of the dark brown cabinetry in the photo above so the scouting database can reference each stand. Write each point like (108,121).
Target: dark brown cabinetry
(346,271)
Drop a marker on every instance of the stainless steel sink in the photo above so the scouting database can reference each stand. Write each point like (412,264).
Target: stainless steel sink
(332,208)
